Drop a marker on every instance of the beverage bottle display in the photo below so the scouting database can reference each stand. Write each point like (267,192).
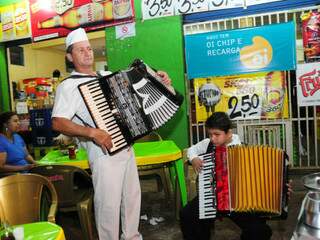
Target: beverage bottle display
(7,25)
(21,20)
(80,16)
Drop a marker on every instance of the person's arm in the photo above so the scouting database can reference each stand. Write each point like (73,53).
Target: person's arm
(65,107)
(29,158)
(3,157)
(194,152)
(197,149)
(69,128)
(11,168)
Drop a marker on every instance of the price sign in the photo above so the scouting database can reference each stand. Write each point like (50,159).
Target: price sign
(246,106)
(161,8)
(189,6)
(157,8)
(224,4)
(60,6)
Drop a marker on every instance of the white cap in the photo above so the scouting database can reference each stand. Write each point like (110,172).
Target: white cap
(75,36)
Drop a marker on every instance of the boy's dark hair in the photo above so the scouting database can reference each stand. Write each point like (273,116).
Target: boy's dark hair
(220,121)
(4,118)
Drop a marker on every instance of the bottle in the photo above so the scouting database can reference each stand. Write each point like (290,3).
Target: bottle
(79,16)
(21,19)
(274,94)
(72,152)
(7,25)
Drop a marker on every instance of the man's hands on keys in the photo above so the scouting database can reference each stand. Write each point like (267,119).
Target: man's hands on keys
(102,138)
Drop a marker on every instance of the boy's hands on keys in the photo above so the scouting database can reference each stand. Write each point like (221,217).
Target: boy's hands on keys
(197,164)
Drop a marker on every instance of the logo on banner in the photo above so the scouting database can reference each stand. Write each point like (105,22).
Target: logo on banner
(308,84)
(258,55)
(209,95)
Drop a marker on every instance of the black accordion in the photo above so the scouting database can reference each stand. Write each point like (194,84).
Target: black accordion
(129,104)
(243,180)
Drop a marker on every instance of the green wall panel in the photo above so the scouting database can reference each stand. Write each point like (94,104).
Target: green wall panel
(4,87)
(159,43)
(4,83)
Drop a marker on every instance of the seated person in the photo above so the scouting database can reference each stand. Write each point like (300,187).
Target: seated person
(14,155)
(219,129)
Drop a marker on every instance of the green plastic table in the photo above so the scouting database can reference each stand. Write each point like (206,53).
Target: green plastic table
(146,153)
(165,151)
(58,157)
(42,231)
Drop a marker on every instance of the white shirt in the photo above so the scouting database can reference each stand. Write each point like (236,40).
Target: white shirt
(202,146)
(69,104)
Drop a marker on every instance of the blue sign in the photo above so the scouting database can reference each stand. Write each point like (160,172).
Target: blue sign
(258,49)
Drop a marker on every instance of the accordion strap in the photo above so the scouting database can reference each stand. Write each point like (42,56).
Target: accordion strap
(75,76)
(98,74)
(82,76)
(210,147)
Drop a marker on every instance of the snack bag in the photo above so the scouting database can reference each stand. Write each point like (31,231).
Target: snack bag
(311,36)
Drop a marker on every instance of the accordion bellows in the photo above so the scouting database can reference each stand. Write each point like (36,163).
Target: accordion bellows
(245,179)
(256,174)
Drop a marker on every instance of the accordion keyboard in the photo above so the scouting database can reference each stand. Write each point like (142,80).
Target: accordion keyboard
(103,114)
(207,200)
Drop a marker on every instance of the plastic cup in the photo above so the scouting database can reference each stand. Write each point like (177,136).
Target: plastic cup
(18,233)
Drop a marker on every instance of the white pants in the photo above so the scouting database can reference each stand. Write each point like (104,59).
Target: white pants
(117,189)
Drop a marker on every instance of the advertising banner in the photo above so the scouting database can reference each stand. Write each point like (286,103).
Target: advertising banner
(308,84)
(57,18)
(247,96)
(15,21)
(159,8)
(258,49)
(311,36)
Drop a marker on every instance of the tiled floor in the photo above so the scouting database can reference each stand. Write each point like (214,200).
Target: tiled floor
(155,205)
